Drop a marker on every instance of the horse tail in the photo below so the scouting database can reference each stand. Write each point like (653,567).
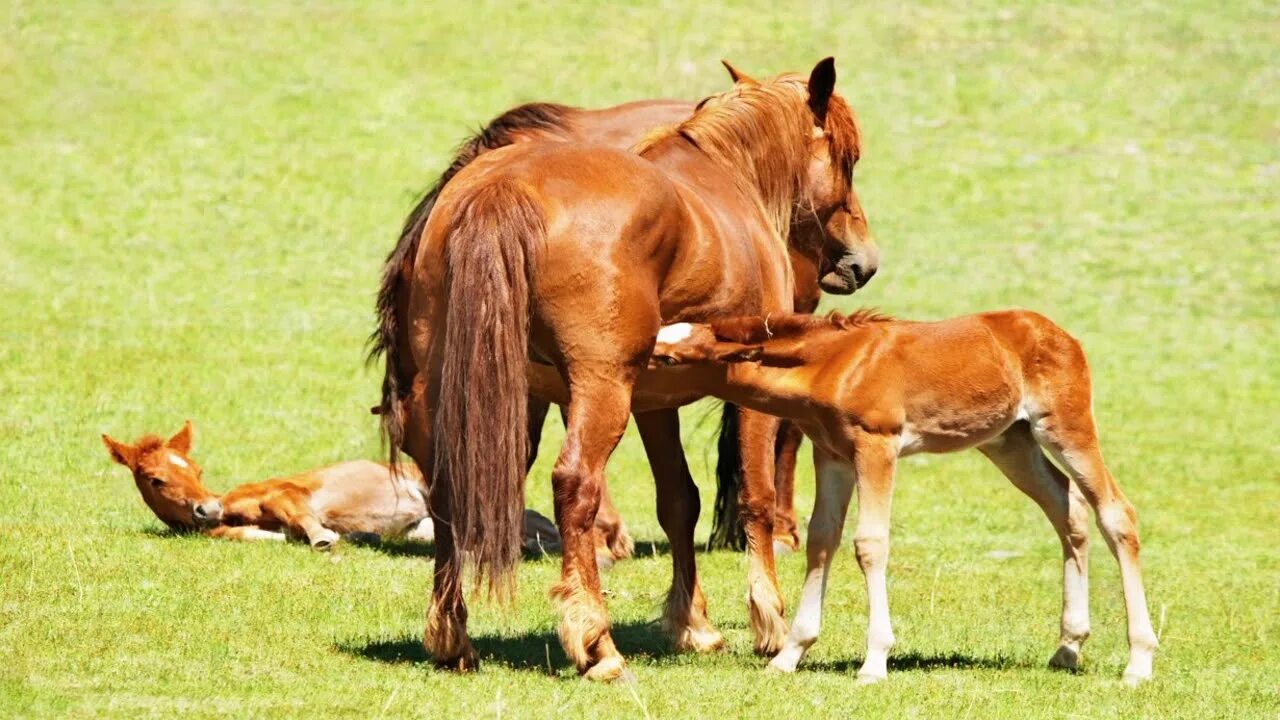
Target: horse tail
(480,432)
(727,532)
(389,336)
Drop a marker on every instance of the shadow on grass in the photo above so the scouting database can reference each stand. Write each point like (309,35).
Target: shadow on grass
(537,652)
(917,661)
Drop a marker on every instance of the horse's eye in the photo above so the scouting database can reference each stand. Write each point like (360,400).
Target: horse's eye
(155,482)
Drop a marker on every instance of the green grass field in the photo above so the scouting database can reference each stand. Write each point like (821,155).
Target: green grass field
(195,199)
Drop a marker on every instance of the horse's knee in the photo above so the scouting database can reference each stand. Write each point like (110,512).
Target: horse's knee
(871,550)
(1119,522)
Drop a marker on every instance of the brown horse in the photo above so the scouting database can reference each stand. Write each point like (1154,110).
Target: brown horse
(551,266)
(621,126)
(868,389)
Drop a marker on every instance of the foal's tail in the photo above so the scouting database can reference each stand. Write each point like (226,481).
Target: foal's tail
(480,431)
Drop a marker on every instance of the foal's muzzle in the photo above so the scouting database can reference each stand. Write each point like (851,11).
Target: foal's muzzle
(207,513)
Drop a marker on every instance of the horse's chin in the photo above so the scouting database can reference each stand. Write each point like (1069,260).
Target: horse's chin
(837,283)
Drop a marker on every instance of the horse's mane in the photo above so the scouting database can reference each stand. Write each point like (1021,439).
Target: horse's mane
(761,131)
(501,131)
(756,329)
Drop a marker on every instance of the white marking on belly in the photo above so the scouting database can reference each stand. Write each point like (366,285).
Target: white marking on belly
(672,334)
(177,460)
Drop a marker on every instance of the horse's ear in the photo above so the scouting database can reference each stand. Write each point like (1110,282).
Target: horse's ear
(181,440)
(126,455)
(822,83)
(737,75)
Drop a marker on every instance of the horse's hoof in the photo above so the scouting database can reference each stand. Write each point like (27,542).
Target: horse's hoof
(870,679)
(324,541)
(1133,680)
(604,561)
(778,667)
(1065,658)
(468,662)
(700,641)
(609,669)
(782,549)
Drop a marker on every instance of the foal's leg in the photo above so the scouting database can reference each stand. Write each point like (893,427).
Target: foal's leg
(1072,437)
(600,402)
(1019,457)
(757,438)
(786,537)
(835,486)
(685,614)
(875,459)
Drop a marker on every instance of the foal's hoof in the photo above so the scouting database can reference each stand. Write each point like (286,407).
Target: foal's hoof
(699,641)
(782,549)
(1133,680)
(1066,658)
(610,669)
(324,541)
(870,679)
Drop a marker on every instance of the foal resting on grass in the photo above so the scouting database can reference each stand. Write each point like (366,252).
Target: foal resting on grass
(868,389)
(356,498)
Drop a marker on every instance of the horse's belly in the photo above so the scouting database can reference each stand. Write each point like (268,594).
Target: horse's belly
(654,390)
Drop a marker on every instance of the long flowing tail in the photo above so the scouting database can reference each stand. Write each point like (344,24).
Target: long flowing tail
(480,428)
(726,524)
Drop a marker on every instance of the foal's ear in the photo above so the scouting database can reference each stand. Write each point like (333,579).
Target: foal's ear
(181,440)
(126,455)
(822,82)
(737,75)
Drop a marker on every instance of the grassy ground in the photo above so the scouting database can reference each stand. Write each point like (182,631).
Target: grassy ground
(194,201)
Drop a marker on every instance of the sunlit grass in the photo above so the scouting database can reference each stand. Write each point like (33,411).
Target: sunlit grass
(195,200)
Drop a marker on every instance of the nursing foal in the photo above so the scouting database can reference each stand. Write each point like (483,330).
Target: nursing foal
(868,389)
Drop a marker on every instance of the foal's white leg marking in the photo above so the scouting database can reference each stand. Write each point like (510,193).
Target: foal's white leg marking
(257,533)
(835,487)
(875,471)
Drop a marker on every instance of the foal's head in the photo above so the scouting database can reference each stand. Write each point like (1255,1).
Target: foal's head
(815,145)
(169,479)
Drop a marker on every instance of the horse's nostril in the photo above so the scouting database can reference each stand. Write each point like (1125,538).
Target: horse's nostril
(201,512)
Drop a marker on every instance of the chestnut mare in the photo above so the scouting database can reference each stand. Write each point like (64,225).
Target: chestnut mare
(815,263)
(551,266)
(868,389)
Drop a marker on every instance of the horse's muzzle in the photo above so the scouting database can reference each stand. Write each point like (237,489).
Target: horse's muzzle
(851,271)
(207,513)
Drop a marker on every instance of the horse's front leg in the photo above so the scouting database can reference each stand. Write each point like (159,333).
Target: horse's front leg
(685,613)
(251,533)
(875,460)
(599,406)
(835,480)
(757,437)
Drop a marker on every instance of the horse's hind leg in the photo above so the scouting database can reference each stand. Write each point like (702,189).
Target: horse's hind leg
(685,614)
(599,405)
(445,637)
(786,537)
(1071,436)
(1020,458)
(757,438)
(875,459)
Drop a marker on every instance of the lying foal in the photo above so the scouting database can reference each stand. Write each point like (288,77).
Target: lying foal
(868,389)
(356,498)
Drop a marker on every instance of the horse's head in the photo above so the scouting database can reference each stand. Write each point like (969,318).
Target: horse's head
(169,479)
(829,228)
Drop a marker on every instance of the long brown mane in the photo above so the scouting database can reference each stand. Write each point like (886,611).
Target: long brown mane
(755,329)
(761,130)
(501,131)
